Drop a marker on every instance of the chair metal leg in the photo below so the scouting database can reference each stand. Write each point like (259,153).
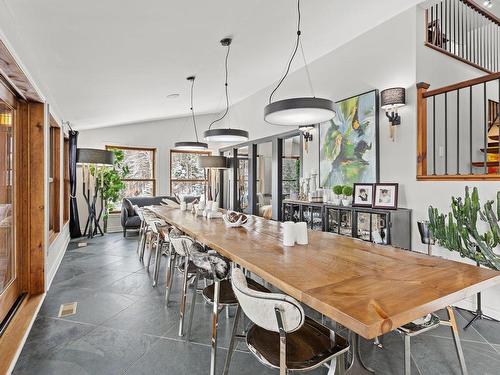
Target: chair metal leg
(143,244)
(141,229)
(215,318)
(170,277)
(340,367)
(407,355)
(157,261)
(230,350)
(183,297)
(193,304)
(357,366)
(456,339)
(151,245)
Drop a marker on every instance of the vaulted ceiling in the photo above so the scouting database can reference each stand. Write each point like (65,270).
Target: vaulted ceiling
(116,61)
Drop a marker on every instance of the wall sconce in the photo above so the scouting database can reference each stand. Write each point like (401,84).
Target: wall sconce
(391,99)
(306,133)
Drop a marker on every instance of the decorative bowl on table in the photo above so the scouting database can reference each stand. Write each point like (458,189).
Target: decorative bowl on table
(234,219)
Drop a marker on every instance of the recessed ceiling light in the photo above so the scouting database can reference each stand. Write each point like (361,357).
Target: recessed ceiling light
(173,96)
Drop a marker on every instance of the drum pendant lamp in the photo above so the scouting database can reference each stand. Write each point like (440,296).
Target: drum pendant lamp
(301,110)
(190,145)
(225,134)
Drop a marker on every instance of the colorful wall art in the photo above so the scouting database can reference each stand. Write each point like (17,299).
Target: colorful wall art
(349,142)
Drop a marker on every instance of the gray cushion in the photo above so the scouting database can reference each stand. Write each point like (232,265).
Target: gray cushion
(133,222)
(127,204)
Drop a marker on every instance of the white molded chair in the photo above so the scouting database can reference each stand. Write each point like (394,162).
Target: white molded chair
(282,336)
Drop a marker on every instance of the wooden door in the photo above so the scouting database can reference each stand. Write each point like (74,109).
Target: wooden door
(10,259)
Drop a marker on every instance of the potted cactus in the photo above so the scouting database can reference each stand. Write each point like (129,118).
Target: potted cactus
(337,190)
(458,231)
(347,193)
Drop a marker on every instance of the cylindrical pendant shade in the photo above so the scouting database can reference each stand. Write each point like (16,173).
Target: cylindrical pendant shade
(190,146)
(212,162)
(299,111)
(226,135)
(94,156)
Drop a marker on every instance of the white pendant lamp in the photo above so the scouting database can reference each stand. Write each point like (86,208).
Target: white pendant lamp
(302,110)
(190,145)
(225,134)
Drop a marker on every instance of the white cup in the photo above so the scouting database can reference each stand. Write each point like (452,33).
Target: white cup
(301,233)
(288,233)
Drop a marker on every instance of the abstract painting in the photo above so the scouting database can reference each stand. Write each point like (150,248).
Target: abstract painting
(348,151)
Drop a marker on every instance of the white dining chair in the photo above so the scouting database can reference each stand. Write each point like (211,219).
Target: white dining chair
(282,336)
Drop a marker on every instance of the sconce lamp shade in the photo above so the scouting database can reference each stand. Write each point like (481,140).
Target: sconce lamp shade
(225,135)
(393,98)
(94,156)
(212,162)
(6,119)
(299,111)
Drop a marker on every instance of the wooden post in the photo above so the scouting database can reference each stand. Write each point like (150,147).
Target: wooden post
(422,129)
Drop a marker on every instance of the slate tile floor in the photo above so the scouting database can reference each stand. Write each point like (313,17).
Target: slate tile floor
(122,327)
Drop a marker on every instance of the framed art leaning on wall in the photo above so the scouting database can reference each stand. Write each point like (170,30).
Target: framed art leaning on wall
(349,146)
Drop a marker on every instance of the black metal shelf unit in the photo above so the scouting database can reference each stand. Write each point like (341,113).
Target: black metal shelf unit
(387,227)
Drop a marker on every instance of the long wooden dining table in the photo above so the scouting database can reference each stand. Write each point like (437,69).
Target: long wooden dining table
(369,289)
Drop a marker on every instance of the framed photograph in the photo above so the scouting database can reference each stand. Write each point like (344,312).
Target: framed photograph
(349,144)
(386,196)
(362,195)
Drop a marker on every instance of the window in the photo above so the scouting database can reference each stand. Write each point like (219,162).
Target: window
(54,177)
(141,180)
(66,180)
(186,177)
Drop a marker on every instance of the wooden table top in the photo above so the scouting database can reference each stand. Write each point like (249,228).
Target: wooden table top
(370,289)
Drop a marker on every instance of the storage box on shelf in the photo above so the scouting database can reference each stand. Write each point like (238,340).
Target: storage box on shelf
(388,227)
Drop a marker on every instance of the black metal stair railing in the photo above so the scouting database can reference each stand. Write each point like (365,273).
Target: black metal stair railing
(464,30)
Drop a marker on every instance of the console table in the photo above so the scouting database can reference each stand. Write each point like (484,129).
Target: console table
(393,226)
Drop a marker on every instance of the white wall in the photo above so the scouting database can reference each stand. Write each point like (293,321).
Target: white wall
(392,54)
(10,36)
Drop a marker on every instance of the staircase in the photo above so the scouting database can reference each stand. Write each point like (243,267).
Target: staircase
(465,31)
(459,130)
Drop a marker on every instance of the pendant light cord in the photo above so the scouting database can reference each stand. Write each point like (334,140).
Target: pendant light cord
(297,42)
(307,71)
(192,110)
(226,88)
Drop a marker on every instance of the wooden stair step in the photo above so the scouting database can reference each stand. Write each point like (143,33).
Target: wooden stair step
(494,137)
(491,150)
(489,164)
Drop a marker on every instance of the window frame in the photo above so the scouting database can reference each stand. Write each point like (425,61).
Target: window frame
(66,184)
(54,178)
(205,181)
(137,148)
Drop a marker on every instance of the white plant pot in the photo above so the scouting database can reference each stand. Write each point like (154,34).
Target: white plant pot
(336,201)
(346,202)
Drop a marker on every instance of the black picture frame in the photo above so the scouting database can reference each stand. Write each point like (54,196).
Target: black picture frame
(395,187)
(377,135)
(356,203)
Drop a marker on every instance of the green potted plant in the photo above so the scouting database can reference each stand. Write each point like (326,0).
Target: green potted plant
(458,231)
(112,184)
(347,195)
(337,190)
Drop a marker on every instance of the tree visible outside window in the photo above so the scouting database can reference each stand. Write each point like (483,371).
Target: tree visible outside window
(186,176)
(141,179)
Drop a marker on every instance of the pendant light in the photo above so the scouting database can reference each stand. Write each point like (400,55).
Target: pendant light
(298,111)
(225,134)
(189,145)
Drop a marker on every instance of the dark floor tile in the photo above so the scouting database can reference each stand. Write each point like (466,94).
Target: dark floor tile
(93,307)
(437,356)
(48,334)
(138,284)
(94,280)
(488,329)
(66,272)
(102,351)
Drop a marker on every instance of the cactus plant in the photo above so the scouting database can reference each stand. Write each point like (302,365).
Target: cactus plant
(458,231)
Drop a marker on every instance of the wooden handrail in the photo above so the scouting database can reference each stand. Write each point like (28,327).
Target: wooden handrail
(462,85)
(478,8)
(422,129)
